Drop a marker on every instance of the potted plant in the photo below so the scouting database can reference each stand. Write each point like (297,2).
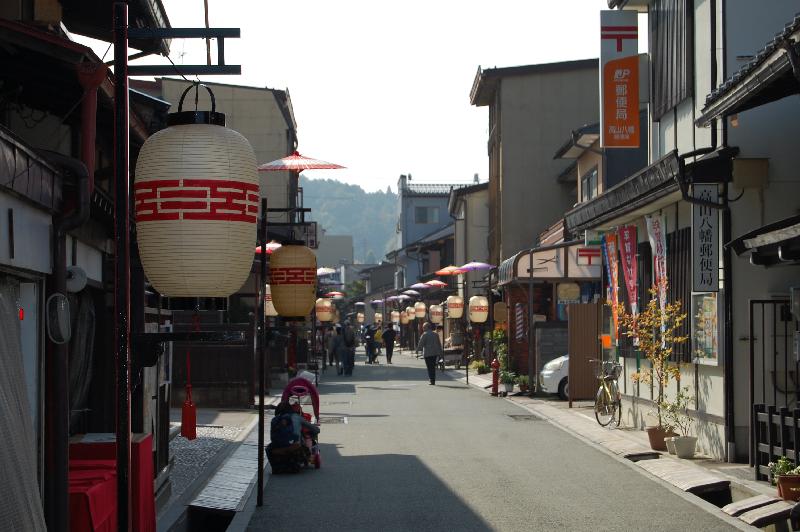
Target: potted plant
(507,380)
(677,412)
(524,383)
(657,332)
(786,476)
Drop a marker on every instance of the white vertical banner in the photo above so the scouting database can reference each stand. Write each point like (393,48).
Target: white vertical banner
(619,79)
(705,240)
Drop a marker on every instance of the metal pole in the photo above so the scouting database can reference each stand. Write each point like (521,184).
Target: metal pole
(122,264)
(261,340)
(532,365)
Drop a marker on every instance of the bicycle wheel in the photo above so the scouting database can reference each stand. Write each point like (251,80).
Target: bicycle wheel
(617,404)
(604,407)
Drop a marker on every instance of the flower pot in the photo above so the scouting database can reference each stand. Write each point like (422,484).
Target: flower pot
(524,388)
(685,446)
(656,436)
(788,487)
(670,442)
(508,387)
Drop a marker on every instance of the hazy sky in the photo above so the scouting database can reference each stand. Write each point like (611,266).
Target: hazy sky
(383,88)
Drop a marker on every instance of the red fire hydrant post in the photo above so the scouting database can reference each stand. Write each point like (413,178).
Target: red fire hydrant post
(495,376)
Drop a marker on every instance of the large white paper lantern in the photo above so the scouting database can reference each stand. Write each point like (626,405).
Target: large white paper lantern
(324,309)
(269,308)
(405,317)
(293,279)
(419,310)
(410,313)
(360,317)
(437,313)
(478,309)
(455,307)
(378,317)
(395,316)
(196,196)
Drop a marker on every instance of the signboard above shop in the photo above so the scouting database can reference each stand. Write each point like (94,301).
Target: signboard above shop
(553,263)
(619,79)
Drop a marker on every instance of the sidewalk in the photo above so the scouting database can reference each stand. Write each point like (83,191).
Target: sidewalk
(631,446)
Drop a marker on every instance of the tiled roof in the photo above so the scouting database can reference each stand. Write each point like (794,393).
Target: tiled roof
(431,188)
(777,42)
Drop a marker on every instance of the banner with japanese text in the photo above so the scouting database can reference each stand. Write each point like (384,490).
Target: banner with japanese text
(612,267)
(619,79)
(656,233)
(627,251)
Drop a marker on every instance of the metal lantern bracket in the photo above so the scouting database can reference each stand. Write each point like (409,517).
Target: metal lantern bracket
(187,33)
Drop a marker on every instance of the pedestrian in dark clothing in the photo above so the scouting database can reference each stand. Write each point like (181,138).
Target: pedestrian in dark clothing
(369,342)
(431,346)
(388,340)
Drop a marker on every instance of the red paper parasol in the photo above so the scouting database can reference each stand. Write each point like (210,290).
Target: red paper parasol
(297,163)
(450,270)
(437,283)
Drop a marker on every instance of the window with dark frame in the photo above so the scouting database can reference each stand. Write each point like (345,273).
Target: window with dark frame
(589,185)
(426,215)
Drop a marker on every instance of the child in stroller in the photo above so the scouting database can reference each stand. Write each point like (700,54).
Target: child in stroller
(293,436)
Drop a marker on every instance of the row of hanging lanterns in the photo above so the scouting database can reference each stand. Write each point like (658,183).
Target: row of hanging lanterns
(197,188)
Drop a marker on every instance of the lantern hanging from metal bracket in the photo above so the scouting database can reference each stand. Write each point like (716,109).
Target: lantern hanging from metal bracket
(196,202)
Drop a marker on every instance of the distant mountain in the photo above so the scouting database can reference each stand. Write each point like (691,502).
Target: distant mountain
(342,209)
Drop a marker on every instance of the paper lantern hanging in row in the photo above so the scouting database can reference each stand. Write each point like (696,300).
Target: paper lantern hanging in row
(420,309)
(269,308)
(436,313)
(196,196)
(410,312)
(478,309)
(293,279)
(395,316)
(405,317)
(378,317)
(455,307)
(324,309)
(360,317)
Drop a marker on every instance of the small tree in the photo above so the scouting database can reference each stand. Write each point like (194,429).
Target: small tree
(658,332)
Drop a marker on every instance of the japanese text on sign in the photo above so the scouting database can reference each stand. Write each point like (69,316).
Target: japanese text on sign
(705,240)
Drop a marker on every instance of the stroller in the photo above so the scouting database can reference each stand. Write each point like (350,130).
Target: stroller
(285,453)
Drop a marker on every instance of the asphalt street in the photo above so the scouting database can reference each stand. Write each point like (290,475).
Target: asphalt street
(417,457)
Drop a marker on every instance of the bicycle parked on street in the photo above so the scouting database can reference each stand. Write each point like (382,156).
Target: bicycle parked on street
(607,402)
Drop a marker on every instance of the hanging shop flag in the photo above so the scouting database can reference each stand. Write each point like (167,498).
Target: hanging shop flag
(705,241)
(619,83)
(612,267)
(627,251)
(656,233)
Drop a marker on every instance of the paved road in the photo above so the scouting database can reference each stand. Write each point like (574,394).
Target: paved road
(417,457)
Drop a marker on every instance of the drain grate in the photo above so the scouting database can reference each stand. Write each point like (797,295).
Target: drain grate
(525,417)
(328,403)
(333,419)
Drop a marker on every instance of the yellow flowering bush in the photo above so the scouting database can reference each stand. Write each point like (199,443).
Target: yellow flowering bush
(657,333)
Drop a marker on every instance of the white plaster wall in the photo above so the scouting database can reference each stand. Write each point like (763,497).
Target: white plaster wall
(32,249)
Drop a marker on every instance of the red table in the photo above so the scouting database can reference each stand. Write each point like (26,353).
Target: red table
(87,460)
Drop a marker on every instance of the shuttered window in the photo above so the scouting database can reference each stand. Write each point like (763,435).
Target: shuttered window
(672,54)
(679,274)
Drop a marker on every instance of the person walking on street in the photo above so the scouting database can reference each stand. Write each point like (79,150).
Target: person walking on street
(431,346)
(388,340)
(369,342)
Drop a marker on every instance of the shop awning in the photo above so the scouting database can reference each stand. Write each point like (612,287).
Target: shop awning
(771,245)
(768,77)
(566,261)
(642,188)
